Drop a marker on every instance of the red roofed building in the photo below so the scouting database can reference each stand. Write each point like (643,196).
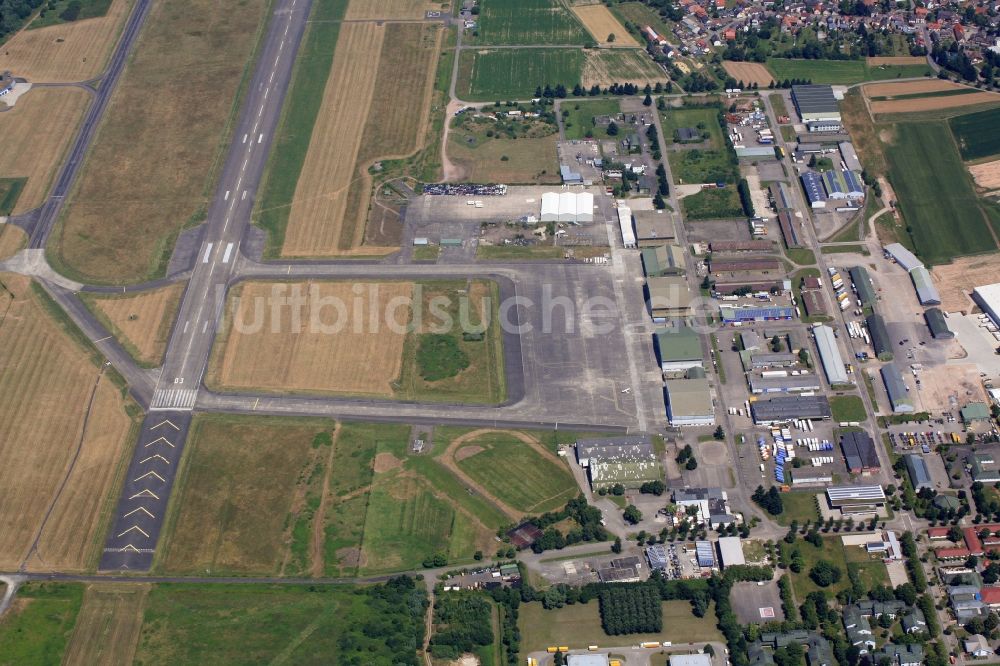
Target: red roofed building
(952,553)
(990,596)
(972,541)
(921,12)
(937,532)
(959,32)
(730,35)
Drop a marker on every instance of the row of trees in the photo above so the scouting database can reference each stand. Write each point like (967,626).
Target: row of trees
(769,500)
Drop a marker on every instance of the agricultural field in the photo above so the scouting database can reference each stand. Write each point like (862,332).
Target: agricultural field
(152,164)
(142,322)
(579,625)
(107,626)
(844,72)
(329,352)
(393,9)
(749,73)
(986,175)
(932,186)
(242,486)
(39,623)
(240,624)
(485,155)
(66,52)
(601,24)
(332,353)
(712,204)
(57,12)
(489,75)
(640,14)
(620,66)
(580,121)
(38,131)
(976,135)
(327,212)
(61,416)
(896,89)
(514,468)
(529,22)
(935,101)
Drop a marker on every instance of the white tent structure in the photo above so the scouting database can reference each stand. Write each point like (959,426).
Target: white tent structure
(567,207)
(584,207)
(550,207)
(625,224)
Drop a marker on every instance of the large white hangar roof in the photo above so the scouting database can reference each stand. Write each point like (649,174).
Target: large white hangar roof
(567,207)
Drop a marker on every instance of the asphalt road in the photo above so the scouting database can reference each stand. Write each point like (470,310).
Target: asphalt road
(230,209)
(49,212)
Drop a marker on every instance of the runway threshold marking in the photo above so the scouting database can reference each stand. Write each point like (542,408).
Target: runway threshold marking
(260,138)
(205,326)
(186,324)
(226,198)
(243,198)
(245,138)
(208,252)
(227,253)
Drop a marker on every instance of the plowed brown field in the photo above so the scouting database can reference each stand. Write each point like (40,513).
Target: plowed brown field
(908,88)
(67,52)
(986,175)
(46,383)
(36,134)
(933,103)
(275,357)
(878,61)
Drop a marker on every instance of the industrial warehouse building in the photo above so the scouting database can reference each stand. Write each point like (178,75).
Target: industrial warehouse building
(812,183)
(712,505)
(625,225)
(818,107)
(653,227)
(678,349)
(880,337)
(669,297)
(790,408)
(731,552)
(755,360)
(829,355)
(988,298)
(895,388)
(790,229)
(927,293)
(662,260)
(859,453)
(863,284)
(629,447)
(937,324)
(790,384)
(731,315)
(741,246)
(569,207)
(920,476)
(689,401)
(781,197)
(906,259)
(841,184)
(850,156)
(853,499)
(631,474)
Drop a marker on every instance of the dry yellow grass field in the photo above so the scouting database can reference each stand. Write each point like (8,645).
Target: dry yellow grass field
(749,72)
(397,125)
(986,175)
(142,321)
(933,103)
(148,172)
(878,61)
(12,240)
(391,9)
(908,87)
(67,52)
(107,627)
(46,383)
(600,23)
(316,217)
(330,205)
(37,132)
(356,359)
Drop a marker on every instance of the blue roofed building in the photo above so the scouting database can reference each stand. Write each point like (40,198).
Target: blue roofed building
(812,183)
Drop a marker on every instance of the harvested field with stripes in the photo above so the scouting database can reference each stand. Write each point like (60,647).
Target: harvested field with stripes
(933,103)
(392,9)
(37,133)
(878,61)
(330,205)
(749,73)
(600,23)
(66,52)
(108,624)
(141,322)
(909,88)
(150,170)
(62,421)
(632,66)
(256,352)
(986,175)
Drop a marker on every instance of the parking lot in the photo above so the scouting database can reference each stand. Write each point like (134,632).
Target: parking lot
(753,602)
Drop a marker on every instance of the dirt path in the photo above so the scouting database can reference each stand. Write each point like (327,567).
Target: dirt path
(447,459)
(318,534)
(452,172)
(428,625)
